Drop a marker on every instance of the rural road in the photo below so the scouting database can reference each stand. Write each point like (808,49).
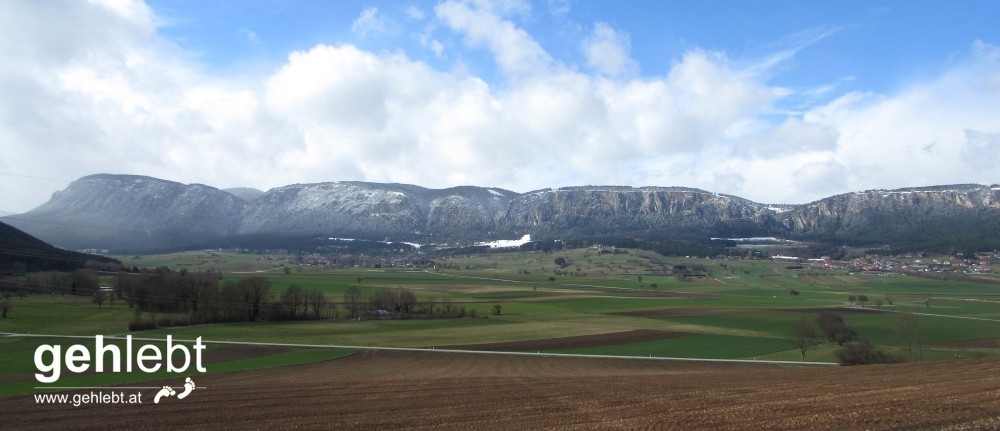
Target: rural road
(432,350)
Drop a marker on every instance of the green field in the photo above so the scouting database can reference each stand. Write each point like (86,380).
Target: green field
(733,310)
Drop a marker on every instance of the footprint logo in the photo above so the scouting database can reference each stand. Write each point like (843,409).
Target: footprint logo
(188,387)
(167,391)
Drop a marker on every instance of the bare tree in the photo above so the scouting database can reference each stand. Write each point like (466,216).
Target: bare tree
(195,286)
(99,297)
(292,299)
(316,300)
(233,302)
(352,300)
(804,335)
(406,300)
(447,307)
(427,307)
(862,299)
(909,330)
(256,291)
(84,282)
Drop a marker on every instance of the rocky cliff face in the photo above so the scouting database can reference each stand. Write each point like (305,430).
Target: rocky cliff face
(958,211)
(140,213)
(609,210)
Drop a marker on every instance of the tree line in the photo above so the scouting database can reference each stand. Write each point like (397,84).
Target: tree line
(187,298)
(854,350)
(401,303)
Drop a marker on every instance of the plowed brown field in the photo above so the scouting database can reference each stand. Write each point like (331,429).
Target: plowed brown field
(405,390)
(594,340)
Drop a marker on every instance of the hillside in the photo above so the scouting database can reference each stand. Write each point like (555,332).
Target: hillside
(20,252)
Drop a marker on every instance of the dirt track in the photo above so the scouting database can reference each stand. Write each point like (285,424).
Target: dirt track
(404,390)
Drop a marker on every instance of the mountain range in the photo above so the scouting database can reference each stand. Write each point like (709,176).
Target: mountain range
(141,214)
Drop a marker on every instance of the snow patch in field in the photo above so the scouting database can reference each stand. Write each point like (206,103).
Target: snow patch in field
(411,244)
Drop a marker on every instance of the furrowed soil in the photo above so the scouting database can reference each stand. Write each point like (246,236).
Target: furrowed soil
(596,340)
(408,390)
(683,312)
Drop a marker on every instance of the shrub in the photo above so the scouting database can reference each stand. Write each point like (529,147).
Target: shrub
(173,320)
(140,324)
(863,353)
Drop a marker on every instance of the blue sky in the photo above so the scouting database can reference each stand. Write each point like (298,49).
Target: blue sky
(776,101)
(860,45)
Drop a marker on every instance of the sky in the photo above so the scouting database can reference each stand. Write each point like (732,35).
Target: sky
(774,101)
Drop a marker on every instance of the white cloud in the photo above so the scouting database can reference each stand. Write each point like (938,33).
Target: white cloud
(982,150)
(607,51)
(918,136)
(560,7)
(482,23)
(789,137)
(821,178)
(251,37)
(784,50)
(415,13)
(369,22)
(106,94)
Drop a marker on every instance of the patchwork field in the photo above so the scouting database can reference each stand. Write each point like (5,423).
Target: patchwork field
(622,304)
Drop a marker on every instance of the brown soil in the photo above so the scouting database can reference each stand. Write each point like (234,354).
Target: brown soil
(843,310)
(423,391)
(596,340)
(681,312)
